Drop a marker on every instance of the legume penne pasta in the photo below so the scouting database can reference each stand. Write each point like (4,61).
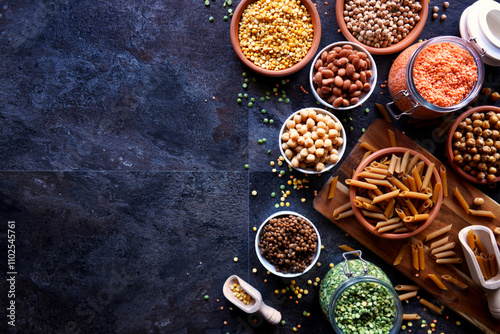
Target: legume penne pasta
(392,166)
(414,256)
(449,260)
(392,138)
(482,213)
(445,247)
(438,233)
(435,193)
(398,183)
(416,176)
(406,287)
(360,184)
(430,305)
(401,254)
(437,281)
(346,248)
(369,147)
(444,254)
(411,316)
(390,227)
(461,200)
(428,174)
(421,255)
(344,214)
(412,163)
(454,281)
(333,187)
(408,295)
(405,161)
(480,245)
(371,175)
(386,196)
(439,243)
(444,179)
(341,209)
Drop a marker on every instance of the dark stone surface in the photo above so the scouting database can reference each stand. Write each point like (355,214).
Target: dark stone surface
(122,163)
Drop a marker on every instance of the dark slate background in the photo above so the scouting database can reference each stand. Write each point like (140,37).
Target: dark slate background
(122,153)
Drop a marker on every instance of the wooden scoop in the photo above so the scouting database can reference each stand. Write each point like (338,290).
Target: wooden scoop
(256,304)
(491,285)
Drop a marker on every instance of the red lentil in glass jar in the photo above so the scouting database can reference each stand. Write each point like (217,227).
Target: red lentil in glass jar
(435,77)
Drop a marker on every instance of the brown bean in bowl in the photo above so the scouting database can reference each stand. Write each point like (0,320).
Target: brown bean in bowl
(343,75)
(287,244)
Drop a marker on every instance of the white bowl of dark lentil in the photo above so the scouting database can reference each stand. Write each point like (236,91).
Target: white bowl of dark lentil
(287,244)
(312,140)
(343,75)
(362,22)
(271,54)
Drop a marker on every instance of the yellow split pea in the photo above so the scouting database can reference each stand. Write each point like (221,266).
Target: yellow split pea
(275,35)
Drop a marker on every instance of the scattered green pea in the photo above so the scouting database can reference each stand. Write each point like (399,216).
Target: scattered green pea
(280,99)
(276,205)
(367,110)
(246,80)
(273,194)
(240,95)
(275,89)
(250,104)
(268,151)
(268,97)
(226,18)
(283,322)
(245,96)
(207,3)
(229,2)
(266,120)
(262,99)
(363,130)
(263,111)
(247,166)
(239,100)
(259,141)
(211,19)
(244,74)
(268,93)
(206,297)
(287,100)
(244,85)
(351,128)
(252,99)
(230,11)
(282,173)
(282,187)
(271,121)
(264,140)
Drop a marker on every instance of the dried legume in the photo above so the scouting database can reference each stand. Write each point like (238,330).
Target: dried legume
(288,243)
(444,74)
(275,35)
(379,23)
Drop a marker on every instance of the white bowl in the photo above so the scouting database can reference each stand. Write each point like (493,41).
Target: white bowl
(373,79)
(328,166)
(268,265)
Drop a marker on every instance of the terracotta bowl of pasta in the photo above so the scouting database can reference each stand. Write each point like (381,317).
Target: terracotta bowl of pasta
(396,193)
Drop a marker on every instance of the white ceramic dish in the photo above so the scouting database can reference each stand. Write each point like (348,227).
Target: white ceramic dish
(268,265)
(372,81)
(328,166)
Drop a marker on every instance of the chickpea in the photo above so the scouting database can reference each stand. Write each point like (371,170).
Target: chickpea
(478,201)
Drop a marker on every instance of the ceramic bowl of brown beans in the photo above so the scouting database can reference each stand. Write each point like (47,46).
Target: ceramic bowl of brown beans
(275,41)
(287,244)
(343,75)
(473,145)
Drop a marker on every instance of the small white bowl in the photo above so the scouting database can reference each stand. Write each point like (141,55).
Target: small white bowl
(373,79)
(268,265)
(328,166)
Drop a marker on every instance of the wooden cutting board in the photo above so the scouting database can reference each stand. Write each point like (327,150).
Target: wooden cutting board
(470,303)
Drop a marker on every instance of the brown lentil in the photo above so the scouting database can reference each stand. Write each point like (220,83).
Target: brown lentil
(288,243)
(275,35)
(476,145)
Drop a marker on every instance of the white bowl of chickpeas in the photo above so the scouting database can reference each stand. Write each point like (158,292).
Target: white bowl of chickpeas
(343,75)
(312,140)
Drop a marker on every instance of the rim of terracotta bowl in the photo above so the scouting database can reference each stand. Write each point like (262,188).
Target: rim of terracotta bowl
(373,79)
(268,265)
(449,143)
(327,166)
(370,227)
(409,39)
(234,29)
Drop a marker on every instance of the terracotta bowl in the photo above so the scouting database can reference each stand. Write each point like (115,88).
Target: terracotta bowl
(449,143)
(328,166)
(268,265)
(372,81)
(235,21)
(370,224)
(409,39)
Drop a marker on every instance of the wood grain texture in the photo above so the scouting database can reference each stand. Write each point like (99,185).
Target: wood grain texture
(470,303)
